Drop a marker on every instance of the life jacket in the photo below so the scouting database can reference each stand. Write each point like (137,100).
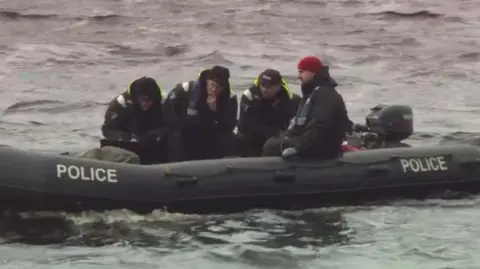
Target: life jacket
(125,100)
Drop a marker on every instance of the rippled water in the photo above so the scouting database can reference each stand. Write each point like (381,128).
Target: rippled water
(62,61)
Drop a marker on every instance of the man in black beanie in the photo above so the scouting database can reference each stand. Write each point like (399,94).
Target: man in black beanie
(136,115)
(135,112)
(203,114)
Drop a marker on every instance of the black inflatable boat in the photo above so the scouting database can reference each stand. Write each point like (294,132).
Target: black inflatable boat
(33,181)
(36,181)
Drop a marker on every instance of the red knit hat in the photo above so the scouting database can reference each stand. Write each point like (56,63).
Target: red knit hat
(310,63)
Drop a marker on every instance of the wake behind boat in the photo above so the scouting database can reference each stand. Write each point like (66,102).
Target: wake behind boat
(41,181)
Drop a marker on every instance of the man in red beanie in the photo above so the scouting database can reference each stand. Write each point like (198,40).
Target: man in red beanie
(321,122)
(202,114)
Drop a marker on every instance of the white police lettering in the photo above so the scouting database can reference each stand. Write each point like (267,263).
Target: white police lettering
(87,173)
(428,164)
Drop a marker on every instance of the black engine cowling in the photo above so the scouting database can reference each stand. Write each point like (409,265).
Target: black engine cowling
(394,123)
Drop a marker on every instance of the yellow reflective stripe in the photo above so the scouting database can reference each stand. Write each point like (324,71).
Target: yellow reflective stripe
(284,84)
(200,73)
(287,90)
(256,82)
(129,89)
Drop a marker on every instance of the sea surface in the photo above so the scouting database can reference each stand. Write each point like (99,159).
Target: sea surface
(62,61)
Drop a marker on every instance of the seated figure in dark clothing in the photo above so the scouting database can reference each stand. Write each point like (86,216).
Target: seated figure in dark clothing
(137,115)
(266,109)
(202,115)
(321,122)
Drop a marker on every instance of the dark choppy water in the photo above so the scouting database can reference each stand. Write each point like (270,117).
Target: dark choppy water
(62,61)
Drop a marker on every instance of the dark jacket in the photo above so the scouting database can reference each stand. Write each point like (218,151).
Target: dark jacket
(186,109)
(124,118)
(262,119)
(294,104)
(321,122)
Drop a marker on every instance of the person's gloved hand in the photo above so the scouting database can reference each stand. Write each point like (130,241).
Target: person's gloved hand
(288,152)
(134,138)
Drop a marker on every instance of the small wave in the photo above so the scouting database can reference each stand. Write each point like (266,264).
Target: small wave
(39,54)
(13,15)
(173,50)
(461,137)
(458,137)
(307,2)
(402,42)
(470,56)
(29,105)
(168,50)
(3,48)
(271,228)
(422,14)
(215,57)
(456,110)
(37,123)
(48,106)
(90,228)
(105,17)
(352,3)
(367,59)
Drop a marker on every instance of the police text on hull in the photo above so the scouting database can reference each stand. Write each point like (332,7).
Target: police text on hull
(428,164)
(86,173)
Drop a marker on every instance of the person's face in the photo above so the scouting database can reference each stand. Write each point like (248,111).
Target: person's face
(144,102)
(213,87)
(269,91)
(305,76)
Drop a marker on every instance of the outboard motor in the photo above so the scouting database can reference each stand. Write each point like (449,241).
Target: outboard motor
(387,126)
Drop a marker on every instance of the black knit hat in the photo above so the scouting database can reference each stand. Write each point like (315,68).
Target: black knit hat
(219,74)
(145,86)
